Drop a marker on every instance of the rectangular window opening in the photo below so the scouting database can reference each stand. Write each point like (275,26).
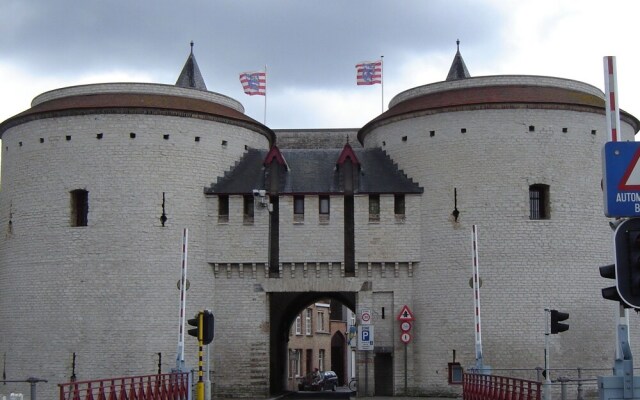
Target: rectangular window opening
(223,208)
(307,322)
(374,207)
(324,209)
(79,207)
(399,207)
(248,208)
(298,208)
(539,202)
(298,325)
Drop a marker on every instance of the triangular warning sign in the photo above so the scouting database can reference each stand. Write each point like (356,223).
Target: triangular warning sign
(405,314)
(631,178)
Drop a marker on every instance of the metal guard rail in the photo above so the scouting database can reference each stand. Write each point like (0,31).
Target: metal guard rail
(490,387)
(173,386)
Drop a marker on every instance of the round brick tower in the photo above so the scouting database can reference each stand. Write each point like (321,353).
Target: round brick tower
(115,170)
(518,156)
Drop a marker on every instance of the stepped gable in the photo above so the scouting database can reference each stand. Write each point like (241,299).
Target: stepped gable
(458,68)
(245,176)
(314,171)
(190,77)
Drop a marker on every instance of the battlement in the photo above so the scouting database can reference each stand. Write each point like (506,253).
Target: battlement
(307,269)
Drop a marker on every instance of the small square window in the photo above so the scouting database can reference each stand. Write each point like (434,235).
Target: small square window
(132,135)
(99,136)
(532,128)
(432,133)
(463,130)
(165,137)
(565,130)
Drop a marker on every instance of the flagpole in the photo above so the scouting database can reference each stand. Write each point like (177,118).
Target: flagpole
(382,80)
(265,94)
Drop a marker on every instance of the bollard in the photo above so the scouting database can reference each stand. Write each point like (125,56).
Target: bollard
(563,387)
(32,381)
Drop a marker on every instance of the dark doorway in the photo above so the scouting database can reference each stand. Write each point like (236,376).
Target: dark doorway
(383,375)
(338,356)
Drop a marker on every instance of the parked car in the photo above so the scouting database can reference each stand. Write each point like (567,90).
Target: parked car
(316,381)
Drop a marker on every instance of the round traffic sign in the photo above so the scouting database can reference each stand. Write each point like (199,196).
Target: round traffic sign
(405,337)
(405,326)
(365,316)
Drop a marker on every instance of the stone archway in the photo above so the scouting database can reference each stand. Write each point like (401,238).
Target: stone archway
(283,309)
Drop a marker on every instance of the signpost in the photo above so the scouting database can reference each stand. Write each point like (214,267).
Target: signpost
(405,317)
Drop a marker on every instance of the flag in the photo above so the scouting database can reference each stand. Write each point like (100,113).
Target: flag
(369,72)
(254,83)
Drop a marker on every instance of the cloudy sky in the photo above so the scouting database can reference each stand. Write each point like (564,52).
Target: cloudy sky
(310,48)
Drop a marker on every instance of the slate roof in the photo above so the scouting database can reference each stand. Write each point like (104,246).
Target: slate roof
(190,77)
(458,68)
(314,171)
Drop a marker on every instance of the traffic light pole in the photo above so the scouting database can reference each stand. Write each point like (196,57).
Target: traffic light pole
(623,365)
(546,390)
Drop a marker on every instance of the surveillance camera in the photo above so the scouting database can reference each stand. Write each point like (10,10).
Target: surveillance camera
(256,192)
(262,193)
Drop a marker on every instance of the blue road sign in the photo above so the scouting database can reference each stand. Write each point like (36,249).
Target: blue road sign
(365,337)
(621,179)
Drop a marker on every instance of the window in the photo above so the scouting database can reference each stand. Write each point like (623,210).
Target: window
(324,208)
(398,206)
(321,360)
(298,208)
(320,322)
(307,322)
(539,201)
(79,207)
(374,207)
(294,365)
(298,325)
(248,209)
(223,208)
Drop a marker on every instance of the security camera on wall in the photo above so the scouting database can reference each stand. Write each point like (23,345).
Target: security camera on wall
(259,193)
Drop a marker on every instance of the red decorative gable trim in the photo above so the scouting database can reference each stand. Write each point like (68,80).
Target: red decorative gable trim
(275,154)
(347,152)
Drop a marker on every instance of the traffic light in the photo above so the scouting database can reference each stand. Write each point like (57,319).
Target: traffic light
(627,253)
(556,318)
(196,322)
(610,293)
(207,327)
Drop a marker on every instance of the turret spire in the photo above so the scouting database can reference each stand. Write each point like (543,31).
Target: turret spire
(190,77)
(458,68)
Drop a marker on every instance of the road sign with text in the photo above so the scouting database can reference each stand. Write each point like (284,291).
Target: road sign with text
(365,337)
(621,179)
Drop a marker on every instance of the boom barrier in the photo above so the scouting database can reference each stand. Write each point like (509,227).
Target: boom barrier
(173,386)
(491,387)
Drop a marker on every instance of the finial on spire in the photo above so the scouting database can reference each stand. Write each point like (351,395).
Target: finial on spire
(457,44)
(192,47)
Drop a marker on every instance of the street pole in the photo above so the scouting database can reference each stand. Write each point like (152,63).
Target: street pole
(547,382)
